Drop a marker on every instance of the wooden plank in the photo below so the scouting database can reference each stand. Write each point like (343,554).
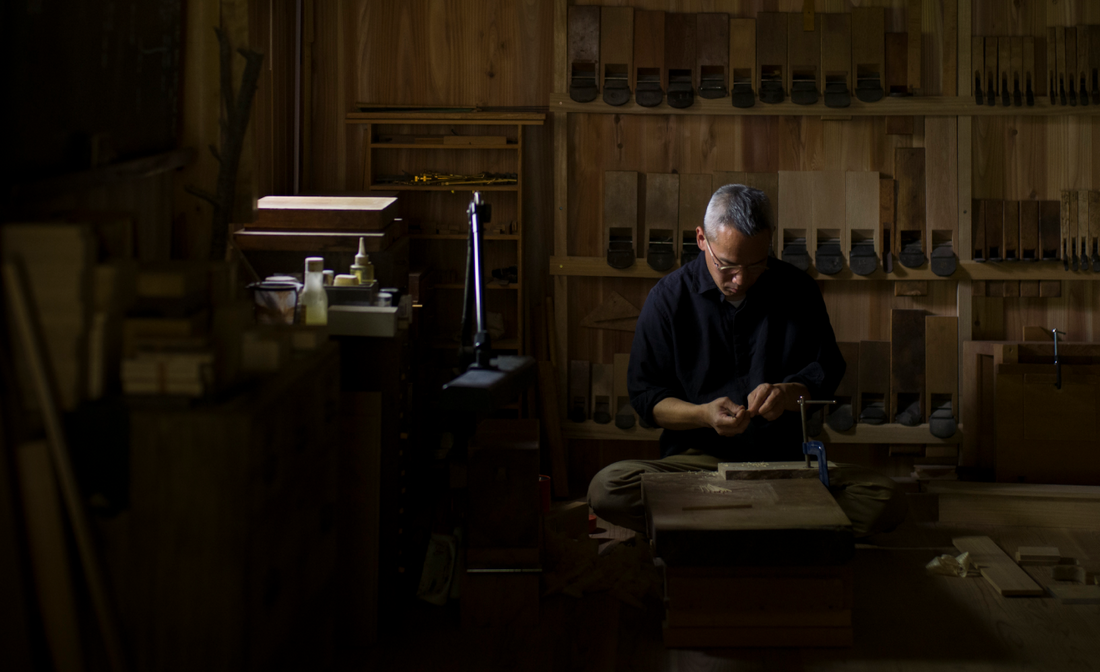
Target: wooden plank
(580,382)
(861,212)
(1070,71)
(325,213)
(788,512)
(941,195)
(584,44)
(1062,86)
(1068,242)
(1011,244)
(1050,289)
(828,214)
(913,18)
(1004,70)
(868,50)
(603,386)
(950,67)
(695,193)
(907,355)
(993,220)
(992,81)
(620,211)
(1052,64)
(662,211)
(796,190)
(1092,70)
(836,50)
(941,361)
(679,52)
(1038,555)
(742,54)
(874,376)
(1029,83)
(888,227)
(803,54)
(712,54)
(1029,231)
(1050,222)
(649,49)
(1029,289)
(771,53)
(896,59)
(621,395)
(997,568)
(978,80)
(1016,83)
(616,46)
(1084,241)
(909,168)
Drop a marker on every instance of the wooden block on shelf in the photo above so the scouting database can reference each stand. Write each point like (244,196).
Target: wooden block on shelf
(994,222)
(603,387)
(1038,555)
(1062,86)
(580,382)
(1029,231)
(874,375)
(616,46)
(1084,241)
(662,196)
(1050,223)
(979,248)
(679,53)
(1029,77)
(712,54)
(771,51)
(913,21)
(1094,213)
(978,85)
(583,58)
(896,47)
(1068,244)
(887,220)
(836,50)
(828,212)
(992,81)
(1071,62)
(803,53)
(997,568)
(1004,68)
(909,164)
(742,54)
(907,355)
(941,371)
(1016,83)
(942,183)
(861,211)
(694,196)
(910,288)
(621,392)
(325,213)
(1011,244)
(620,211)
(868,53)
(795,209)
(1092,70)
(649,49)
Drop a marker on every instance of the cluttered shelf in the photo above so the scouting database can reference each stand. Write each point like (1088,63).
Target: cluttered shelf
(861,433)
(967,270)
(931,106)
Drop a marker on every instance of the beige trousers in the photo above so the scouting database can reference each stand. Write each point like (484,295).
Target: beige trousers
(870,500)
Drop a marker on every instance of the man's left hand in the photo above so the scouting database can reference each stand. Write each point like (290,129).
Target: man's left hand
(770,401)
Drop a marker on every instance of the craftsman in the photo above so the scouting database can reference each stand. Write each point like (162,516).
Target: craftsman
(724,347)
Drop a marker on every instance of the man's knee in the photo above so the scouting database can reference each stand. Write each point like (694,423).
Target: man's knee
(873,502)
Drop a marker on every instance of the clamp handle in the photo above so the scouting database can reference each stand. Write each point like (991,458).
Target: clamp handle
(814,448)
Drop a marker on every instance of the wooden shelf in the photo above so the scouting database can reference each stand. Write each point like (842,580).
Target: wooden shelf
(931,106)
(891,433)
(317,241)
(967,270)
(458,187)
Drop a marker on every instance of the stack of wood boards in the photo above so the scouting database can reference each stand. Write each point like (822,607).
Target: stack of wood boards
(58,259)
(750,562)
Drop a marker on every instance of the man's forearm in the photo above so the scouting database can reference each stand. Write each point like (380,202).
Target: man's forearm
(672,413)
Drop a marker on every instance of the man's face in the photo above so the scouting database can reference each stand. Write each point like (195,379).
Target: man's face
(733,248)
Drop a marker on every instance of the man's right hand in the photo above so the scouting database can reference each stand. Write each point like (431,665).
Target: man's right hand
(726,417)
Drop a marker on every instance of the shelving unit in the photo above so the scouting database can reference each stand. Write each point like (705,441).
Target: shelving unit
(417,143)
(995,157)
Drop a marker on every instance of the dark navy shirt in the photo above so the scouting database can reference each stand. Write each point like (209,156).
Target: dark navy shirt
(693,345)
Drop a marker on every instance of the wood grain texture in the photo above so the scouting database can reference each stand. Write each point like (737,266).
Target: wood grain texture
(828,212)
(649,46)
(941,335)
(914,18)
(911,208)
(695,193)
(617,42)
(907,357)
(742,53)
(861,208)
(712,32)
(803,51)
(868,30)
(836,48)
(771,46)
(941,196)
(680,43)
(997,567)
(874,374)
(620,206)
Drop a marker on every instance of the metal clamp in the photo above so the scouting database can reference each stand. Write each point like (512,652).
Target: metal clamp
(815,448)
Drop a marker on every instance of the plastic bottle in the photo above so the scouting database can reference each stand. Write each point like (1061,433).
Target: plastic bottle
(362,268)
(314,300)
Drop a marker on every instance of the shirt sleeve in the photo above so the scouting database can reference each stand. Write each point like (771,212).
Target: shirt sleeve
(651,376)
(826,366)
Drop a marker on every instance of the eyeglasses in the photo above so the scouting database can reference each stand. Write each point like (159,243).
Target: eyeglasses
(735,269)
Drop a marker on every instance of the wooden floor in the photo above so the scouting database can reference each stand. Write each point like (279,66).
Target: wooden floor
(903,620)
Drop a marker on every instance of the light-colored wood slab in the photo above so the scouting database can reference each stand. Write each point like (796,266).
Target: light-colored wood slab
(997,568)
(742,59)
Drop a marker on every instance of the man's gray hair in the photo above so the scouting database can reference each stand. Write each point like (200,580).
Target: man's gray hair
(743,208)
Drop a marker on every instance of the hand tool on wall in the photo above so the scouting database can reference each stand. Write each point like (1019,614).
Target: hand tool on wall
(584,52)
